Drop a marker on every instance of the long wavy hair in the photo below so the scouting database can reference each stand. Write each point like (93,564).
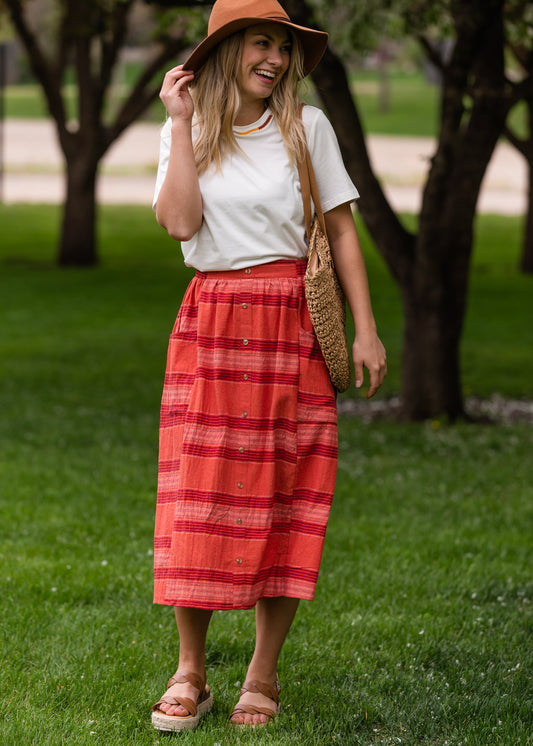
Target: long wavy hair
(216,100)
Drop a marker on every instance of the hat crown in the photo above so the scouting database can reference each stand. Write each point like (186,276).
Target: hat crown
(226,11)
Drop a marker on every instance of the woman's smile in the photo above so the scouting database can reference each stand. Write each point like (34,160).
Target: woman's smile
(268,74)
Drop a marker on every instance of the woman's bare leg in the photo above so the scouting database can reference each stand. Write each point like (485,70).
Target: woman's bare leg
(192,629)
(273,619)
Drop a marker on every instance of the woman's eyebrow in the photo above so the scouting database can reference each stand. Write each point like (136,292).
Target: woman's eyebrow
(287,39)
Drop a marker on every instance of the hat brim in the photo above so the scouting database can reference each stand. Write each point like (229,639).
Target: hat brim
(313,42)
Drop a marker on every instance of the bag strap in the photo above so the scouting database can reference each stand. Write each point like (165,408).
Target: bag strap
(306,194)
(309,189)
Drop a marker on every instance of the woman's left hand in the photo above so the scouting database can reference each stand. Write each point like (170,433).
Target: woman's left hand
(369,353)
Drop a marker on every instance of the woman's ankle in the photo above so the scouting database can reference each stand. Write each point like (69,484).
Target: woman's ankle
(260,672)
(191,665)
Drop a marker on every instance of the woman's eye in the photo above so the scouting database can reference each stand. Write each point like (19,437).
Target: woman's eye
(265,44)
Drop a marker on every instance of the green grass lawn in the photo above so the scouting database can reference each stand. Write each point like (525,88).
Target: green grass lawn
(421,628)
(412,104)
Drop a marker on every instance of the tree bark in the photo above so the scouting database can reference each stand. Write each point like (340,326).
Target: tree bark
(526,257)
(78,245)
(430,368)
(526,148)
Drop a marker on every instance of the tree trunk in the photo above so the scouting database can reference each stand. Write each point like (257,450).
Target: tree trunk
(525,147)
(526,260)
(430,367)
(434,304)
(78,234)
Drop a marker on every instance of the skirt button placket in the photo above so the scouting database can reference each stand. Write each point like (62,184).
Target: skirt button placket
(243,403)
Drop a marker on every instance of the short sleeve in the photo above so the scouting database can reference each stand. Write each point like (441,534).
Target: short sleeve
(334,184)
(164,153)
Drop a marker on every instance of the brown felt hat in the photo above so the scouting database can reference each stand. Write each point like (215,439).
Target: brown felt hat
(229,16)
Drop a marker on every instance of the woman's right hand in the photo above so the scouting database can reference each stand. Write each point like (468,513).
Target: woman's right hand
(175,93)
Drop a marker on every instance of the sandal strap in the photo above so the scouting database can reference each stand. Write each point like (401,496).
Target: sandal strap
(251,710)
(267,690)
(190,705)
(194,679)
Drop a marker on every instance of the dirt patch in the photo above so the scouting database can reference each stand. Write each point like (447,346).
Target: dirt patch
(496,409)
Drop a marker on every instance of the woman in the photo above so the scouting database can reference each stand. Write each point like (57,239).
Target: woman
(248,439)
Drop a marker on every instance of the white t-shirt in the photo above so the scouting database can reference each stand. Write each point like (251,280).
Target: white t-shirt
(253,210)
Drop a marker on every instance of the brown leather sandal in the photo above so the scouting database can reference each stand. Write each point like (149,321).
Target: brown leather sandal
(267,690)
(196,709)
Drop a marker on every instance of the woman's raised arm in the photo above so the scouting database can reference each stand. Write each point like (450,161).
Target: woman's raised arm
(179,203)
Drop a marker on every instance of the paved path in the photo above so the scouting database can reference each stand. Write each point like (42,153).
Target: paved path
(33,168)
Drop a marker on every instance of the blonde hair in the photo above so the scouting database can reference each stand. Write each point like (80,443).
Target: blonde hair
(215,93)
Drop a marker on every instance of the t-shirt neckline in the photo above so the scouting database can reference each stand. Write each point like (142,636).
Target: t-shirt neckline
(261,123)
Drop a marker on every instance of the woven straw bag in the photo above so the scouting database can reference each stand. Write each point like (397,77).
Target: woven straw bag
(324,294)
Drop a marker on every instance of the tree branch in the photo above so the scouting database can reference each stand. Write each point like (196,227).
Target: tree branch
(456,81)
(431,52)
(479,135)
(522,55)
(142,94)
(112,46)
(64,45)
(523,90)
(516,141)
(39,64)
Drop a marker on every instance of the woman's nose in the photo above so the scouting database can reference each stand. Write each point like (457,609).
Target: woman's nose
(275,57)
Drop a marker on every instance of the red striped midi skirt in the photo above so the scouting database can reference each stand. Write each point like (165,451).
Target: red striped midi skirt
(248,443)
